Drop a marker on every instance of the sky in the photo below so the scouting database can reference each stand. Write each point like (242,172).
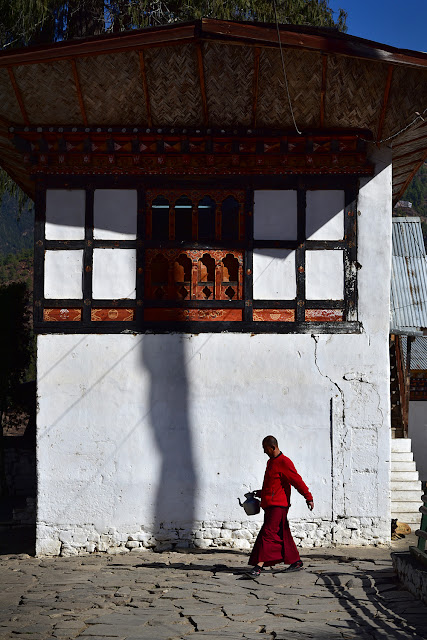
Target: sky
(400,23)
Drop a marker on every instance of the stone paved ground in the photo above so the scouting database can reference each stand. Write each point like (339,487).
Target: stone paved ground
(343,593)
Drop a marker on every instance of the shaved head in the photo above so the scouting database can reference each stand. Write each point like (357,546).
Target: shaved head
(270,441)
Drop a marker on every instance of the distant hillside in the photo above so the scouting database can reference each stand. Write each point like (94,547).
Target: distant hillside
(16,230)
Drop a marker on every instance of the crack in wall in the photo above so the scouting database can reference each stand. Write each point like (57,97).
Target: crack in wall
(324,375)
(340,442)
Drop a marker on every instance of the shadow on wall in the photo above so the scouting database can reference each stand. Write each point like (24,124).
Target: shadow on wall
(164,359)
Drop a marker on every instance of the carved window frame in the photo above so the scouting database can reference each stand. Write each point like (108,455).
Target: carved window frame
(196,316)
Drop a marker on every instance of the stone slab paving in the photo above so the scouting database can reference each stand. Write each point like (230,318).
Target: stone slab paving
(343,593)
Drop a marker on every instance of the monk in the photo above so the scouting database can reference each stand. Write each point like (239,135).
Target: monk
(274,543)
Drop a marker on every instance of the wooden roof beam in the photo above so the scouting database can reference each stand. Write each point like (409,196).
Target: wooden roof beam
(97,45)
(411,175)
(249,34)
(323,89)
(385,103)
(201,71)
(79,92)
(18,96)
(255,89)
(145,88)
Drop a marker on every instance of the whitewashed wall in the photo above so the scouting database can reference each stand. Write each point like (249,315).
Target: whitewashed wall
(148,440)
(418,435)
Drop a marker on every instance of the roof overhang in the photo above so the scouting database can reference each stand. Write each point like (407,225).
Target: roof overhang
(216,75)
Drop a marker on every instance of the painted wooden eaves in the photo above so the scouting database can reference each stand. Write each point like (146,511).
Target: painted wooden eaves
(213,73)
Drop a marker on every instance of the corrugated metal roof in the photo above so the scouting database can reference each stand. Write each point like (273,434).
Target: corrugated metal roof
(408,303)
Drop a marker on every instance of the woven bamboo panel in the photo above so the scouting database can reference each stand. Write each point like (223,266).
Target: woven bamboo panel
(112,89)
(354,92)
(304,73)
(173,86)
(408,94)
(9,107)
(229,72)
(40,83)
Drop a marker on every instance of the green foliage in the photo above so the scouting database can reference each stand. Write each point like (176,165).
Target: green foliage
(16,226)
(417,191)
(25,22)
(22,202)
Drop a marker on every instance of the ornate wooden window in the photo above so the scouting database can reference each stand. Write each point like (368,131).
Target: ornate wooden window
(276,259)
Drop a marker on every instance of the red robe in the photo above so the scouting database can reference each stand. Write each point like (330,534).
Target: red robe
(274,543)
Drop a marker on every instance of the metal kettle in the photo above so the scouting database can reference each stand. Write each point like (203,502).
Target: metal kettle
(251,505)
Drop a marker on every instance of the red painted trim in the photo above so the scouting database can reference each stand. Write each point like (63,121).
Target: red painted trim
(385,102)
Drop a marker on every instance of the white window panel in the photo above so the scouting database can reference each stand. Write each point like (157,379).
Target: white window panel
(114,274)
(325,215)
(63,274)
(65,214)
(115,214)
(324,275)
(275,215)
(274,274)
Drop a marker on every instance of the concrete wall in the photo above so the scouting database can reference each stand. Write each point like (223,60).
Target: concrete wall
(145,440)
(418,435)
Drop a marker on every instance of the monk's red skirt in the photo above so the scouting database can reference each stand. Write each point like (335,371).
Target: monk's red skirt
(274,542)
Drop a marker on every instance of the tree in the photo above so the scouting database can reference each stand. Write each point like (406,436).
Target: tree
(25,22)
(17,349)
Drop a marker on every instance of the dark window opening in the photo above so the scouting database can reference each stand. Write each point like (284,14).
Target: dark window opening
(230,220)
(183,219)
(160,219)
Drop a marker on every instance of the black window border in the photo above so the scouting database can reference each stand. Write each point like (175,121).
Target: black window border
(348,183)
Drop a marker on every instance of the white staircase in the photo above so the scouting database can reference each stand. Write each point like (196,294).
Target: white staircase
(405,485)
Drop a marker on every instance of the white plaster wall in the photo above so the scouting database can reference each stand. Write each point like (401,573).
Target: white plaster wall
(325,215)
(274,274)
(418,435)
(147,440)
(114,274)
(65,214)
(275,214)
(63,274)
(114,214)
(324,275)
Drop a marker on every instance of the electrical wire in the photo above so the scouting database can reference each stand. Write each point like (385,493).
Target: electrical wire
(420,116)
(284,70)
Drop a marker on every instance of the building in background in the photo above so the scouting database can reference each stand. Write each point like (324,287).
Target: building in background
(408,324)
(206,274)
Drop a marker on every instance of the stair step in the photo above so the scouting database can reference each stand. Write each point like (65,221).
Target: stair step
(405,485)
(408,496)
(406,476)
(401,444)
(408,507)
(403,465)
(403,456)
